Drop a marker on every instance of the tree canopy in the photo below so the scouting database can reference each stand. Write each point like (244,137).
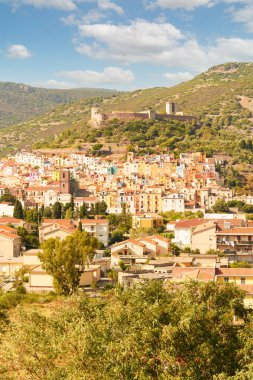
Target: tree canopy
(65,259)
(180,331)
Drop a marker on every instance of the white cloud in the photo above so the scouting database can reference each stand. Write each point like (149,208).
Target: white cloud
(93,16)
(244,15)
(190,4)
(52,83)
(110,75)
(184,4)
(159,43)
(128,43)
(18,52)
(109,5)
(179,77)
(65,5)
(231,49)
(140,41)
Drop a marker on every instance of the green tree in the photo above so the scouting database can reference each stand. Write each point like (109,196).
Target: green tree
(92,209)
(57,210)
(47,212)
(175,250)
(240,264)
(18,210)
(30,240)
(180,331)
(220,206)
(65,259)
(8,198)
(80,226)
(84,211)
(102,207)
(68,213)
(136,233)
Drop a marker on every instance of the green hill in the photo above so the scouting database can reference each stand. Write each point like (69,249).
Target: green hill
(220,98)
(20,102)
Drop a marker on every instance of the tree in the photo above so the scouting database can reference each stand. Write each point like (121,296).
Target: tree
(181,331)
(68,213)
(18,210)
(40,214)
(102,207)
(80,226)
(31,215)
(175,250)
(240,264)
(47,212)
(30,240)
(220,206)
(92,209)
(8,198)
(84,211)
(136,233)
(65,259)
(117,236)
(57,210)
(215,252)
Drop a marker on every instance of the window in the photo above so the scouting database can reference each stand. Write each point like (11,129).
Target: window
(242,280)
(226,279)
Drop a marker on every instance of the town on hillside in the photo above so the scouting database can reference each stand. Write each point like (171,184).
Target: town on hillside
(154,217)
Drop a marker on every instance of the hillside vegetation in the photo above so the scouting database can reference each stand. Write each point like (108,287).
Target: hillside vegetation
(20,102)
(153,331)
(220,98)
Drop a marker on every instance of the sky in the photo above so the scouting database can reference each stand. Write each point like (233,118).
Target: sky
(120,44)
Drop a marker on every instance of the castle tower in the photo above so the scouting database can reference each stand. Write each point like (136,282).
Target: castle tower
(64,182)
(170,108)
(96,116)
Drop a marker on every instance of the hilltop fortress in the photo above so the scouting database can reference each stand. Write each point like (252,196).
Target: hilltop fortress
(98,118)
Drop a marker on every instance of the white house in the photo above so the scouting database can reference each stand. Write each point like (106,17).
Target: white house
(6,209)
(173,202)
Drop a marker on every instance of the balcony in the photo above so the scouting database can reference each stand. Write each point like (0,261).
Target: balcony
(244,243)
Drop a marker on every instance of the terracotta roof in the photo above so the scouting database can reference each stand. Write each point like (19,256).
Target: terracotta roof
(9,235)
(125,242)
(58,221)
(203,227)
(204,274)
(148,240)
(94,221)
(136,242)
(159,237)
(226,272)
(8,229)
(189,223)
(6,220)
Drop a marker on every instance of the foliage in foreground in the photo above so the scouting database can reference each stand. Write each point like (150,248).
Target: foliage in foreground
(185,332)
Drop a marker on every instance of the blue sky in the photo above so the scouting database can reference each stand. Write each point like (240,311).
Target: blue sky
(121,44)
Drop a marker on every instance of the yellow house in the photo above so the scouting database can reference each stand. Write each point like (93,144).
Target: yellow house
(151,202)
(243,277)
(56,175)
(147,221)
(204,237)
(9,266)
(39,279)
(10,244)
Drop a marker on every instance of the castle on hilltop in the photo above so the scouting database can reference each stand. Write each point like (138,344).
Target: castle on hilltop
(98,118)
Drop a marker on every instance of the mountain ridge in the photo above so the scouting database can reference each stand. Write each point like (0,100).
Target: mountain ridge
(20,102)
(214,96)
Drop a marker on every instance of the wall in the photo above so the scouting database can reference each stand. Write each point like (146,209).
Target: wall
(204,240)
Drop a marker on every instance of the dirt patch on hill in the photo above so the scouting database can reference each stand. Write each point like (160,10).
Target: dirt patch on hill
(246,102)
